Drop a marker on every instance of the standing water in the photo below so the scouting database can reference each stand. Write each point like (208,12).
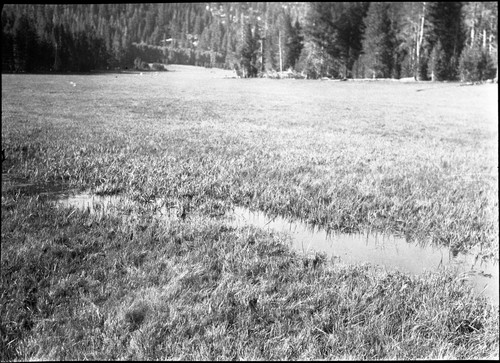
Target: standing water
(114,204)
(384,250)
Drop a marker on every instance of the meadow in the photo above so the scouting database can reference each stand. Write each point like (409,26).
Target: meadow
(414,159)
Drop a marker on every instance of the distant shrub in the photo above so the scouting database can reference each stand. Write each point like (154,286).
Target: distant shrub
(140,65)
(290,73)
(238,71)
(158,67)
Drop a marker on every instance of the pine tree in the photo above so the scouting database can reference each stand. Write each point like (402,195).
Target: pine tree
(197,25)
(337,28)
(445,26)
(475,64)
(258,56)
(438,63)
(296,45)
(24,45)
(247,51)
(481,22)
(378,42)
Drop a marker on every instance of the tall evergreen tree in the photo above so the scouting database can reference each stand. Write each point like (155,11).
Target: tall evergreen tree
(337,28)
(25,44)
(258,56)
(295,45)
(378,41)
(446,28)
(247,51)
(197,25)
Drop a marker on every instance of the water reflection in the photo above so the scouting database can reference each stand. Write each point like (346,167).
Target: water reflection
(384,250)
(17,184)
(116,205)
(380,249)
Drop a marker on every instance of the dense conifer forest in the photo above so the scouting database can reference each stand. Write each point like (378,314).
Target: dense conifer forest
(425,40)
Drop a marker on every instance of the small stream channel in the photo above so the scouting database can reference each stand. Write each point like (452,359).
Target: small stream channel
(391,252)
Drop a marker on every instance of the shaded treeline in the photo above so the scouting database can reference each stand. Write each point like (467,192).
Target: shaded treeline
(425,40)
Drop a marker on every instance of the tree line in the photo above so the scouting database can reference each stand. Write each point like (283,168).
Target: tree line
(425,40)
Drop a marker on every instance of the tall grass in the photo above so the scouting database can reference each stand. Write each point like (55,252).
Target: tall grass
(345,156)
(198,289)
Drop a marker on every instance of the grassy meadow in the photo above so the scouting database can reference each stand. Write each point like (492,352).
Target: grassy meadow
(413,159)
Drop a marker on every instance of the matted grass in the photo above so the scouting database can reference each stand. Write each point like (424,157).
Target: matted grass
(416,159)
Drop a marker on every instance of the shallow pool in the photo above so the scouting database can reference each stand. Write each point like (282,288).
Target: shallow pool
(388,251)
(380,249)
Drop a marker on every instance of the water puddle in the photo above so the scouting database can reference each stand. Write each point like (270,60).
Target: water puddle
(22,185)
(116,205)
(384,250)
(391,252)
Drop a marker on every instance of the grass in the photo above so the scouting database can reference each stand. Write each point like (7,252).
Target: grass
(345,156)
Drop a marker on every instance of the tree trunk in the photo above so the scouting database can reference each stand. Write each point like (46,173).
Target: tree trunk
(262,68)
(57,59)
(279,47)
(419,43)
(473,29)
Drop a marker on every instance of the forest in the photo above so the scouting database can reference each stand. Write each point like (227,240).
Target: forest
(442,41)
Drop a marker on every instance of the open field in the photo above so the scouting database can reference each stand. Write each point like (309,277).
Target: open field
(413,159)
